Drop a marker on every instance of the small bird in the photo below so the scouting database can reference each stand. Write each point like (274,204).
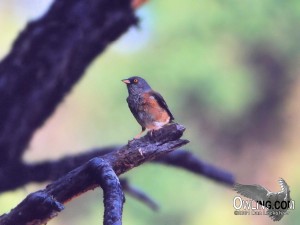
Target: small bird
(148,107)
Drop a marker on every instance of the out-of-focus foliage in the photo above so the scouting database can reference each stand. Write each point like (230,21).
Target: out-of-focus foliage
(196,54)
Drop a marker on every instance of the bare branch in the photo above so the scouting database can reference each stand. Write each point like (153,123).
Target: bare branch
(47,59)
(190,162)
(112,190)
(138,194)
(44,205)
(19,175)
(82,179)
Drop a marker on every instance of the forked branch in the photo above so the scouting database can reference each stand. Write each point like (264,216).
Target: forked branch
(100,171)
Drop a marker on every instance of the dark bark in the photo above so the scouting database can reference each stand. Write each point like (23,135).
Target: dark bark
(47,59)
(113,195)
(190,162)
(52,170)
(16,175)
(101,171)
(43,205)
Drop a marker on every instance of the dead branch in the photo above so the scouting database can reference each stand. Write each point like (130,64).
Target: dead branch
(99,171)
(19,175)
(47,59)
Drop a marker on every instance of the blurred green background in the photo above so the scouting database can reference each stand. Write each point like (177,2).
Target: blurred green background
(228,70)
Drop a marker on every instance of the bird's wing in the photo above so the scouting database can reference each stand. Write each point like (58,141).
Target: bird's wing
(254,192)
(285,190)
(162,103)
(284,186)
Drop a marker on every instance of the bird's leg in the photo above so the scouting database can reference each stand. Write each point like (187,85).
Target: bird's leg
(139,134)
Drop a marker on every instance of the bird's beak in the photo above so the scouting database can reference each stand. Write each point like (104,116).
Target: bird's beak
(126,81)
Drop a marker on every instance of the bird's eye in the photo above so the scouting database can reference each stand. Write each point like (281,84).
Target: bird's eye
(135,81)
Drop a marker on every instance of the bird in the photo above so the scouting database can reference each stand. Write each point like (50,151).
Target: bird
(267,198)
(147,106)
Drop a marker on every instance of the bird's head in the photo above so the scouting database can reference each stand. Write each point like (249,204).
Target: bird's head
(136,85)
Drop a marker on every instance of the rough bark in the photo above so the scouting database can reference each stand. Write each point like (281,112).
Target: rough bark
(101,171)
(47,59)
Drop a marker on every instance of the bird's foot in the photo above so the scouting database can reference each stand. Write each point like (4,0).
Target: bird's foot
(130,141)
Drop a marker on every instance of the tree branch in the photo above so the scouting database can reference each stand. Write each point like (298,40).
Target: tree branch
(15,176)
(19,175)
(47,59)
(138,194)
(83,178)
(43,204)
(112,190)
(190,162)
